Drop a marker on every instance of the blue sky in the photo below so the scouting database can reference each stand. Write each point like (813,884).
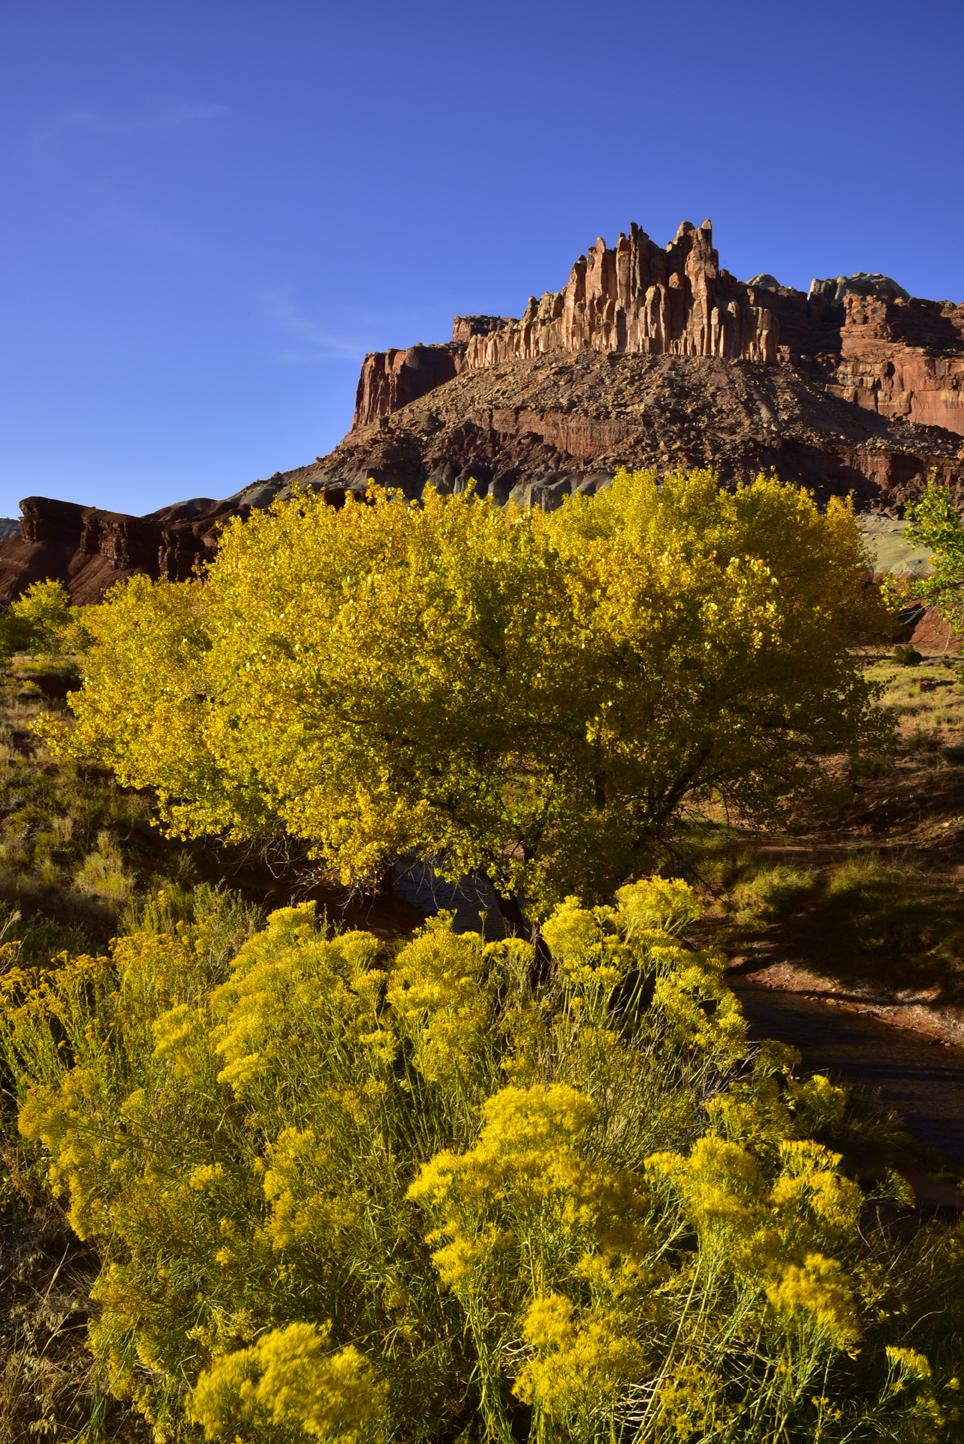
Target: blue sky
(213,210)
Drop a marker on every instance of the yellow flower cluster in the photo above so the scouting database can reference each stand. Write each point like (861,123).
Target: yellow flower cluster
(288,1379)
(820,1288)
(441,1009)
(341,1187)
(578,1363)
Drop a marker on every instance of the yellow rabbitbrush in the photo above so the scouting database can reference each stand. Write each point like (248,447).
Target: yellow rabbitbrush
(532,697)
(418,1198)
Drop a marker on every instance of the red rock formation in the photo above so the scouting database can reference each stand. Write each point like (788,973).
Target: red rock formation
(640,299)
(903,359)
(637,298)
(90,549)
(465,327)
(649,357)
(390,379)
(863,338)
(538,429)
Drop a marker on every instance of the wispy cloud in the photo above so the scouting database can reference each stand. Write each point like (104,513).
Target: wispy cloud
(108,214)
(97,122)
(308,342)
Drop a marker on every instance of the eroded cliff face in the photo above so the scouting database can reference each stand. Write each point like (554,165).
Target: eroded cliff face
(90,549)
(390,379)
(903,359)
(536,430)
(649,357)
(635,298)
(863,338)
(640,299)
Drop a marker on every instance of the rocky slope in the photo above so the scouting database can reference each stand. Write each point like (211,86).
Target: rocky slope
(537,429)
(89,549)
(648,357)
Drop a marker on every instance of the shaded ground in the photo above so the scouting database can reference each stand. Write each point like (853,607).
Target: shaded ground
(49,1383)
(866,909)
(921,1080)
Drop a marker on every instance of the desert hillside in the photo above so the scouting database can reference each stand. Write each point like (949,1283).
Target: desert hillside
(649,357)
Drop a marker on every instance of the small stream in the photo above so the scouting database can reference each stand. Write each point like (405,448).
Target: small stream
(922,1081)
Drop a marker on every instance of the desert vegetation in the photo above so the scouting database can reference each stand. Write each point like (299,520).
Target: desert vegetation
(314,1180)
(535,697)
(422,1196)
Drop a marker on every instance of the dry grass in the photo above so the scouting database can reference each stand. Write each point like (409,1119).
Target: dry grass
(49,1384)
(927,698)
(874,890)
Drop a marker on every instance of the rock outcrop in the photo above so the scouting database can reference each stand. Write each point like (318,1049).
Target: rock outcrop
(390,379)
(863,337)
(649,357)
(903,359)
(90,549)
(636,298)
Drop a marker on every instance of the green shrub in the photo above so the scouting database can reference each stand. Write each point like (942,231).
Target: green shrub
(423,1196)
(771,893)
(32,942)
(922,741)
(714,857)
(907,656)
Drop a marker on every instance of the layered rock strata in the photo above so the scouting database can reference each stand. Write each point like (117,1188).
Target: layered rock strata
(649,357)
(862,337)
(90,549)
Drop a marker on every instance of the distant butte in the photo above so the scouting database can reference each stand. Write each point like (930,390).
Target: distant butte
(649,357)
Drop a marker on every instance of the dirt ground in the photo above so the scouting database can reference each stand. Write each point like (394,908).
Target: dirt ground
(876,923)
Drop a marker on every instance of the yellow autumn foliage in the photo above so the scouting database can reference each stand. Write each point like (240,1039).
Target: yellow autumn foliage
(358,1193)
(533,697)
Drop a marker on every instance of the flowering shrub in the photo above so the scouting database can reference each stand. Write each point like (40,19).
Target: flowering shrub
(360,1197)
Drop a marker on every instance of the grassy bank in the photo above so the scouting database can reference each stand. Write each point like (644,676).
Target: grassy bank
(871,890)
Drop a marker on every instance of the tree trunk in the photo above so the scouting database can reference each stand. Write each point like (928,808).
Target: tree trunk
(518,925)
(385,887)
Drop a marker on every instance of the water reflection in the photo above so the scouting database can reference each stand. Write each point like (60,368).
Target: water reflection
(922,1082)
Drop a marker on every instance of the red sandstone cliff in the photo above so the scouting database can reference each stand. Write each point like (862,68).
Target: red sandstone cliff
(390,379)
(90,549)
(863,338)
(649,357)
(903,359)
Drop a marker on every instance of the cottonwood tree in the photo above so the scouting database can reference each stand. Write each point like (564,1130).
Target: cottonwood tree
(532,697)
(934,523)
(41,621)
